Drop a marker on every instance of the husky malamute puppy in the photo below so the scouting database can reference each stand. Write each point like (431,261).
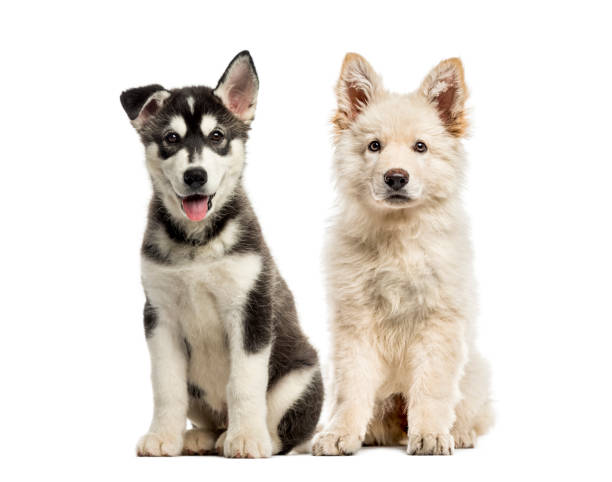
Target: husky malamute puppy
(226,348)
(400,270)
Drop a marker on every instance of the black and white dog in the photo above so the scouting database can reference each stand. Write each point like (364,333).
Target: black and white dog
(226,348)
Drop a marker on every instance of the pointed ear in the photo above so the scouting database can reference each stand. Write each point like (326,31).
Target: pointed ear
(357,86)
(238,87)
(143,103)
(445,88)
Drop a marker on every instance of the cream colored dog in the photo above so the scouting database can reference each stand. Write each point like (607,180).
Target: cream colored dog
(399,268)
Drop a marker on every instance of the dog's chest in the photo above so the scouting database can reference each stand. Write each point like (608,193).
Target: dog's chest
(194,298)
(208,352)
(405,281)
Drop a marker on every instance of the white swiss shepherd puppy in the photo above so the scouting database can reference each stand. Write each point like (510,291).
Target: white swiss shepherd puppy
(399,267)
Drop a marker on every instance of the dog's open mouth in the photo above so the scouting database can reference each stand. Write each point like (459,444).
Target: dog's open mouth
(196,206)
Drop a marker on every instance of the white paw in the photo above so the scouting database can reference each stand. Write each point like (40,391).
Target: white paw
(160,445)
(430,444)
(332,443)
(198,442)
(465,440)
(252,444)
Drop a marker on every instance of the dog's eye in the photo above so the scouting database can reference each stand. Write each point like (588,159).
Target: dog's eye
(172,138)
(216,136)
(420,146)
(374,146)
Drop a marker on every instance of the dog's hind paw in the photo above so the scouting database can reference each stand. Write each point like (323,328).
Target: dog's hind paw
(160,445)
(331,443)
(198,442)
(465,440)
(430,444)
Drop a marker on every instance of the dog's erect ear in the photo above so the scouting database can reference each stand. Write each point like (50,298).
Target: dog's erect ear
(445,87)
(357,86)
(238,87)
(142,103)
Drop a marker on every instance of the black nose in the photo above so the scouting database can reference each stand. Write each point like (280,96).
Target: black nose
(396,178)
(195,177)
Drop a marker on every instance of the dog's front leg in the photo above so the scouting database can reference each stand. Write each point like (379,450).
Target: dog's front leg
(247,434)
(169,378)
(437,360)
(357,375)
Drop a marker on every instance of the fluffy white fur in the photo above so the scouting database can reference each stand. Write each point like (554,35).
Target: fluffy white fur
(401,286)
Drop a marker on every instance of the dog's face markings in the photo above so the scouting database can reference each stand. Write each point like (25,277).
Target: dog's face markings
(406,145)
(182,140)
(208,123)
(191,103)
(196,128)
(178,126)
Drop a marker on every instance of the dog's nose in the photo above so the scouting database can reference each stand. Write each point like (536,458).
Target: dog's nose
(396,178)
(195,177)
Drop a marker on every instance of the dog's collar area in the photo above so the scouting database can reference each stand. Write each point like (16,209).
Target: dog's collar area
(215,222)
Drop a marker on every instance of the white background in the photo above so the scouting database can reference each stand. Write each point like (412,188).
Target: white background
(75,393)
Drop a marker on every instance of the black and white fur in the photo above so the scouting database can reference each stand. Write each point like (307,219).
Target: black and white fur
(226,348)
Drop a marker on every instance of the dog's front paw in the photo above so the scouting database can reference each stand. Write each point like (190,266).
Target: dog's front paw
(198,442)
(430,444)
(160,445)
(253,444)
(332,443)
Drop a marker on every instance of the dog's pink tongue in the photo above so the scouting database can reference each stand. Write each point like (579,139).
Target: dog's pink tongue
(196,207)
